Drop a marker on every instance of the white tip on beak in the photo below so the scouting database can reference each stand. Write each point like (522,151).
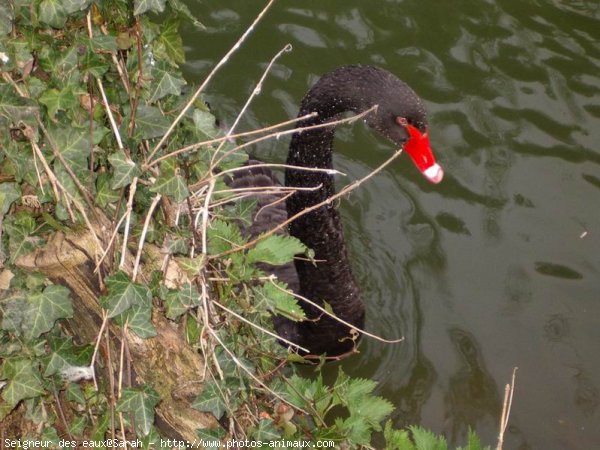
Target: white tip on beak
(434,173)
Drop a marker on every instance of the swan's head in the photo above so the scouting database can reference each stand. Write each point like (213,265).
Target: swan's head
(401,117)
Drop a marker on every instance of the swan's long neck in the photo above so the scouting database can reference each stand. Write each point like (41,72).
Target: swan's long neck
(330,279)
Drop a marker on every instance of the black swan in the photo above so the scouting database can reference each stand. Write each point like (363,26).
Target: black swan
(401,117)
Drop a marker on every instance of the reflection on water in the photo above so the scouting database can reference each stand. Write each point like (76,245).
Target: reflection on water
(496,267)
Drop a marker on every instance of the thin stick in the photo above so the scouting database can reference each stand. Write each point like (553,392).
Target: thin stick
(509,390)
(255,92)
(241,365)
(97,346)
(208,78)
(281,166)
(138,257)
(132,189)
(270,333)
(327,201)
(333,316)
(197,145)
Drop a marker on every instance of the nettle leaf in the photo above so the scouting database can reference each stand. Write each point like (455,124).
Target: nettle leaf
(223,236)
(142,6)
(180,301)
(210,400)
(47,307)
(9,192)
(13,106)
(150,122)
(165,82)
(278,301)
(427,440)
(276,249)
(53,13)
(125,170)
(397,439)
(123,294)
(24,381)
(55,100)
(141,403)
(169,183)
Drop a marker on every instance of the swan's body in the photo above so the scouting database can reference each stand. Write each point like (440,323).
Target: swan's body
(400,117)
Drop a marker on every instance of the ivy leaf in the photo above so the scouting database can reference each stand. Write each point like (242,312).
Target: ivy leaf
(72,6)
(266,431)
(178,302)
(6,19)
(278,301)
(53,13)
(102,42)
(210,400)
(123,294)
(182,9)
(15,107)
(9,192)
(139,320)
(73,145)
(105,194)
(169,183)
(170,42)
(47,307)
(205,122)
(125,170)
(19,229)
(141,6)
(24,381)
(150,123)
(165,82)
(276,249)
(141,403)
(56,100)
(93,64)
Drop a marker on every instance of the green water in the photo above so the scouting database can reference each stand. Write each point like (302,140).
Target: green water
(498,265)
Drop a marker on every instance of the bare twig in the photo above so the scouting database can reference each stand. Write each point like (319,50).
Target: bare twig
(208,78)
(509,390)
(132,189)
(138,257)
(270,333)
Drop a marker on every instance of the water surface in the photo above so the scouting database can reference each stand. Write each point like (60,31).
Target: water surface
(498,265)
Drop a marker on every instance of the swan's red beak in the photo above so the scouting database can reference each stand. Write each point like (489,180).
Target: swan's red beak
(419,149)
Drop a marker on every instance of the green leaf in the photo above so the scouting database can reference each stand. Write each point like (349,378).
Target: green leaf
(15,107)
(397,439)
(165,82)
(223,236)
(105,194)
(53,13)
(103,43)
(210,400)
(73,145)
(72,6)
(139,320)
(19,229)
(125,170)
(426,440)
(205,122)
(9,192)
(141,403)
(170,42)
(169,183)
(24,381)
(182,10)
(279,301)
(6,19)
(123,294)
(180,301)
(266,431)
(56,100)
(150,122)
(94,64)
(276,249)
(46,308)
(142,6)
